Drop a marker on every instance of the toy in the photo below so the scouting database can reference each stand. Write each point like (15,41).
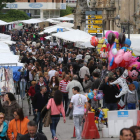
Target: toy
(104,51)
(90,95)
(133,74)
(101,115)
(122,82)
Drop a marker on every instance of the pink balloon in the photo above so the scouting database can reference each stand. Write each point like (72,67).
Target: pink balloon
(133,59)
(134,64)
(120,52)
(127,56)
(118,59)
(116,34)
(107,33)
(133,74)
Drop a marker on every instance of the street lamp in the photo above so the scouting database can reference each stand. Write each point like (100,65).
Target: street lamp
(117,21)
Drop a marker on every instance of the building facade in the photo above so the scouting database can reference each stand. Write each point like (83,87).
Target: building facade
(128,11)
(39,8)
(71,3)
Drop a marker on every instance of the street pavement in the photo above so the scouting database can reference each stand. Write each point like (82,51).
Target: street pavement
(64,131)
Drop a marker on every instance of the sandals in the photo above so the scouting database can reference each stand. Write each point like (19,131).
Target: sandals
(55,138)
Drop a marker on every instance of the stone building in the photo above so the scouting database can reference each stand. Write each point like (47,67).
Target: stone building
(128,11)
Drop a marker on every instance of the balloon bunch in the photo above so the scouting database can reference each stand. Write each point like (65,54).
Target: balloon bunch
(95,95)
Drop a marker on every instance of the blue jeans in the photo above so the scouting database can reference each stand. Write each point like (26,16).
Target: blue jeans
(22,85)
(39,121)
(78,119)
(53,125)
(112,106)
(131,105)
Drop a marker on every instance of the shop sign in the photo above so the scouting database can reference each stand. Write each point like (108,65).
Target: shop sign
(11,6)
(122,113)
(59,29)
(35,5)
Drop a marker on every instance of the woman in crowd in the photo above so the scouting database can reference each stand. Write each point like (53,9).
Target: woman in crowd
(71,72)
(54,85)
(91,66)
(136,130)
(56,106)
(9,106)
(3,127)
(18,126)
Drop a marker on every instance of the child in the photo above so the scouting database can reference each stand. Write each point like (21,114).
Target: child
(131,99)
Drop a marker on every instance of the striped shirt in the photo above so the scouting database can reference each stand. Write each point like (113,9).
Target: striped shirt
(63,84)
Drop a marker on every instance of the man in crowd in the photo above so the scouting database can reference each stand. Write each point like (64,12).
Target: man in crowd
(52,72)
(110,91)
(62,87)
(39,84)
(125,134)
(78,102)
(32,133)
(72,84)
(84,70)
(39,101)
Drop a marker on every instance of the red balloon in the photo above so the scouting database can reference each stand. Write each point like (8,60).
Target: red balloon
(94,41)
(124,64)
(114,66)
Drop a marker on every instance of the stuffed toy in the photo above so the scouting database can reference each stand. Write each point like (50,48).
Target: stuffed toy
(122,82)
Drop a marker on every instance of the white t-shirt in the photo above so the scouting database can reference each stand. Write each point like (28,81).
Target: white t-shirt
(51,73)
(78,101)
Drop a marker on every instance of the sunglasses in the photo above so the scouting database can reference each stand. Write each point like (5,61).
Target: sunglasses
(1,117)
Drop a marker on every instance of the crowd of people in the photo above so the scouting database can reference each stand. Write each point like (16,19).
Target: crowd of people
(55,77)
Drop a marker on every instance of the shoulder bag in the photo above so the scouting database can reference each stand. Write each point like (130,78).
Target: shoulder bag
(18,134)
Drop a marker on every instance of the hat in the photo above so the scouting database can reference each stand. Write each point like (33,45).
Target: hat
(128,42)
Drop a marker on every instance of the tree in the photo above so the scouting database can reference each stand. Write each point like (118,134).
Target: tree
(69,10)
(3,3)
(14,15)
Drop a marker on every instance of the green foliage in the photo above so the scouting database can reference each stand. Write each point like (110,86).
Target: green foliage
(14,15)
(66,12)
(3,3)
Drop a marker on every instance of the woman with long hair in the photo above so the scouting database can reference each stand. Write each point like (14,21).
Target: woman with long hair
(54,85)
(56,106)
(92,66)
(3,127)
(18,126)
(9,106)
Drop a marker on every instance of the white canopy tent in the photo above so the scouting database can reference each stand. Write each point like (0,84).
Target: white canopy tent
(66,24)
(32,21)
(54,28)
(63,19)
(3,22)
(52,21)
(48,37)
(9,42)
(6,56)
(74,36)
(5,37)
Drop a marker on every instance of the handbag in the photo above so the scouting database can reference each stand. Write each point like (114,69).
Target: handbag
(19,135)
(47,119)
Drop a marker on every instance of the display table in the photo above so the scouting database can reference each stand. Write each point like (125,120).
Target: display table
(121,119)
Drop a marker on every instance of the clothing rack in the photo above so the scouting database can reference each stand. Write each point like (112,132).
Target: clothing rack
(11,64)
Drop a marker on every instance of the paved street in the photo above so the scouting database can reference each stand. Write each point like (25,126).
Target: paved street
(64,131)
